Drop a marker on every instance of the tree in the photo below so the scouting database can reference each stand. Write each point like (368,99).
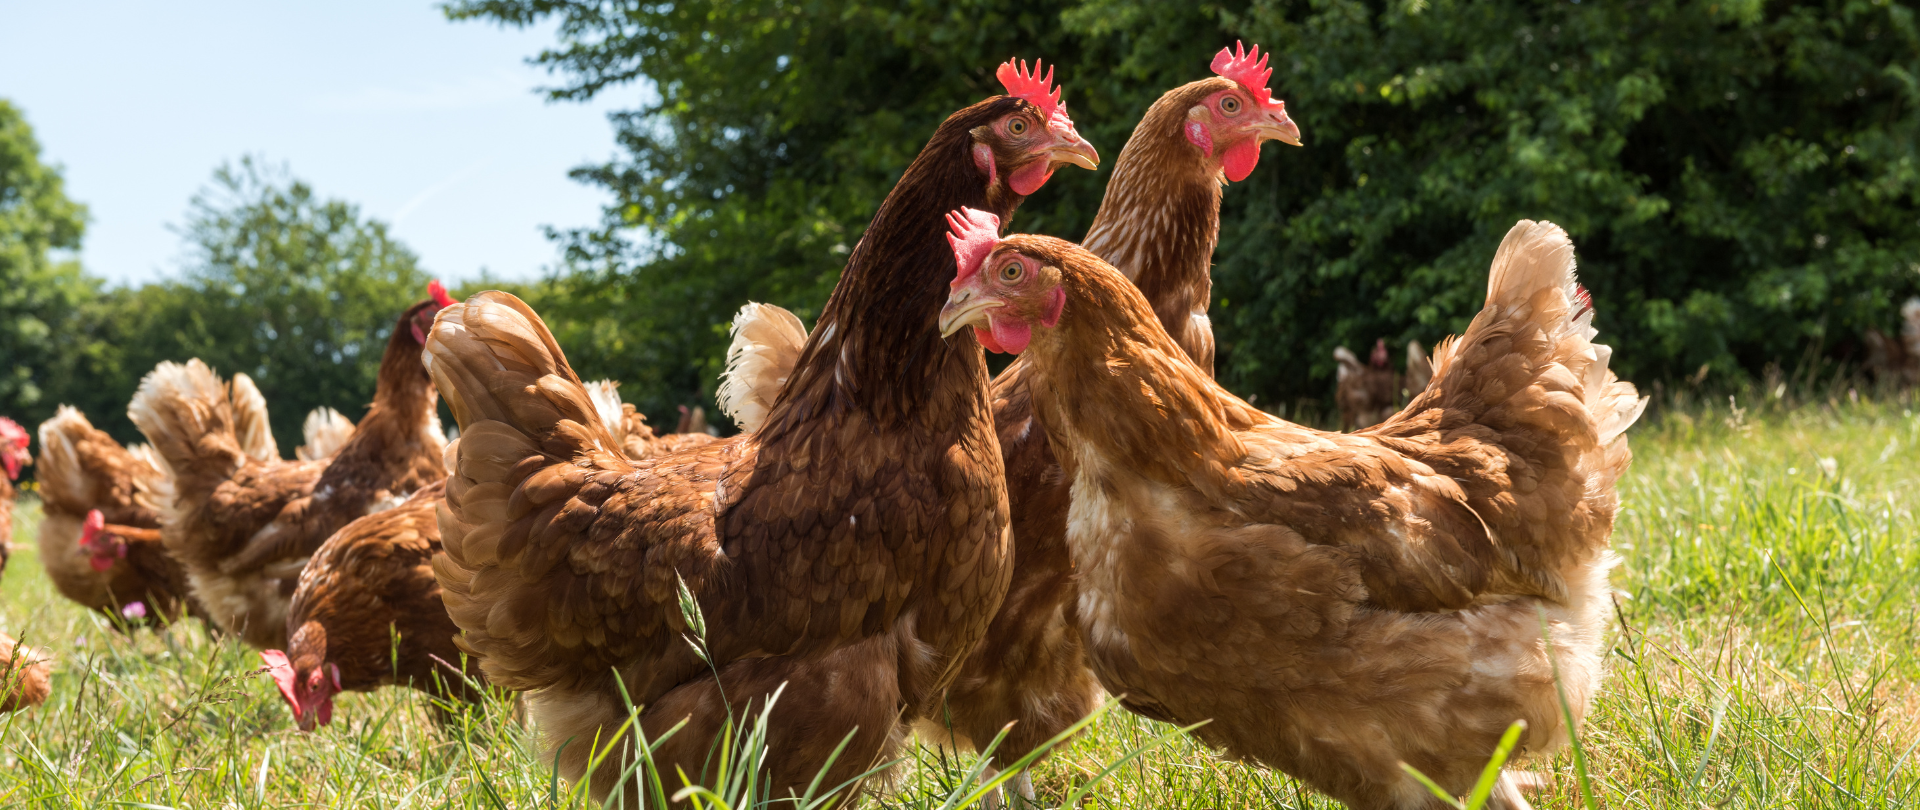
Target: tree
(1740,177)
(299,292)
(40,295)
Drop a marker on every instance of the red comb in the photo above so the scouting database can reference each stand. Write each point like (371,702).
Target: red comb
(1584,298)
(1030,85)
(282,671)
(439,294)
(1249,69)
(11,431)
(973,235)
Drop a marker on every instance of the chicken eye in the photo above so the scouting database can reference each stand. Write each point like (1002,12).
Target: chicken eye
(1017,126)
(1011,272)
(1230,105)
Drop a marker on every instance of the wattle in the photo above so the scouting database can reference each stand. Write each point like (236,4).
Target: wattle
(1012,336)
(1029,178)
(1240,159)
(986,340)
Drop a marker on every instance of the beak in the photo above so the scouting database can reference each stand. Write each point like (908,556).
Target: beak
(1278,127)
(1069,147)
(965,307)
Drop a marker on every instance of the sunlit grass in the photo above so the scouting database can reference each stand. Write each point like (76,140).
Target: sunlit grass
(1769,597)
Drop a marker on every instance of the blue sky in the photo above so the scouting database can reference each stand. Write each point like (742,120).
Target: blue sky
(432,126)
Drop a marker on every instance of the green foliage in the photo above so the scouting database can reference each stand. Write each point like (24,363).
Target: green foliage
(1740,177)
(40,294)
(297,291)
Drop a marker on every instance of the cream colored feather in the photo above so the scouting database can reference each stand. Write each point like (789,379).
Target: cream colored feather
(326,431)
(766,345)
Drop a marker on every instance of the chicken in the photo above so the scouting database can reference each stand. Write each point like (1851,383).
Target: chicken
(13,456)
(1165,191)
(26,674)
(693,421)
(368,614)
(1419,370)
(89,482)
(1158,223)
(853,548)
(1897,361)
(327,431)
(244,528)
(1367,394)
(368,611)
(99,534)
(1334,604)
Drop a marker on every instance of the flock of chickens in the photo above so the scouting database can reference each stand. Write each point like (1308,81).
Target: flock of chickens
(902,541)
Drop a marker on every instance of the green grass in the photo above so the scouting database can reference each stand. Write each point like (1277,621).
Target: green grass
(1770,569)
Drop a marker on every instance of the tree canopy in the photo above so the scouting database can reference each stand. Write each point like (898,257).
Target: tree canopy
(1739,177)
(298,291)
(40,292)
(1741,180)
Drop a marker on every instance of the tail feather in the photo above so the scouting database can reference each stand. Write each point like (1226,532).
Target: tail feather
(82,468)
(64,483)
(1528,373)
(184,411)
(1349,364)
(326,431)
(1533,283)
(494,360)
(517,401)
(606,402)
(250,421)
(1419,368)
(766,346)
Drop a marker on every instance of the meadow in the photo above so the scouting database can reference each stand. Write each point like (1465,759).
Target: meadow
(1769,599)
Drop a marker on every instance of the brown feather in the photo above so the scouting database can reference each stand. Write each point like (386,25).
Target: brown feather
(853,548)
(26,675)
(369,604)
(1158,224)
(1335,604)
(243,528)
(81,468)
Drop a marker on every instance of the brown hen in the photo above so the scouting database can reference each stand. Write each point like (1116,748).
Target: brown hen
(1367,394)
(1333,604)
(26,675)
(244,528)
(99,536)
(368,614)
(853,549)
(1158,224)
